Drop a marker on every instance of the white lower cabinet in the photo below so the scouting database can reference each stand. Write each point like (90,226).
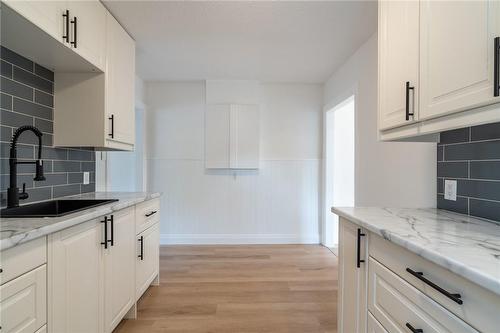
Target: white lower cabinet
(119,268)
(147,267)
(75,276)
(23,302)
(352,278)
(402,308)
(380,295)
(374,326)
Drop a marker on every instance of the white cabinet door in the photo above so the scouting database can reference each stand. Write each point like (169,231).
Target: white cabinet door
(217,136)
(89,39)
(352,302)
(120,80)
(75,264)
(398,63)
(47,15)
(456,55)
(148,254)
(119,268)
(244,137)
(23,302)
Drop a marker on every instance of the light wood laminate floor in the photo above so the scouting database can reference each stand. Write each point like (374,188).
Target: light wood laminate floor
(244,288)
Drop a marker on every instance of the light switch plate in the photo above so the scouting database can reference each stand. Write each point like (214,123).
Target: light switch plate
(86,178)
(450,190)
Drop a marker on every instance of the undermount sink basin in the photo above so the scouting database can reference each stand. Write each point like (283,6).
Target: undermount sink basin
(53,208)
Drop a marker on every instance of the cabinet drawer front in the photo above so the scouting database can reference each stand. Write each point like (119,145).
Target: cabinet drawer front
(147,213)
(23,302)
(23,258)
(396,304)
(480,307)
(374,326)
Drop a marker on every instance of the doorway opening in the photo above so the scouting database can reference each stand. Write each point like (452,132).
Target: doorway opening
(339,165)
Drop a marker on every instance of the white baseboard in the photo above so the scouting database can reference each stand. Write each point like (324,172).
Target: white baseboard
(235,239)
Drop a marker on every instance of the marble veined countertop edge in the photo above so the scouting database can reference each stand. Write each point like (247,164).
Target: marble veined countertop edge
(15,231)
(466,246)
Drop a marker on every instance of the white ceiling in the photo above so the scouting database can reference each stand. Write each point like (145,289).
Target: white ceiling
(299,41)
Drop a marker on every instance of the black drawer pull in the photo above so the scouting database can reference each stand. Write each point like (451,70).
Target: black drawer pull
(112,118)
(75,32)
(112,240)
(141,256)
(105,243)
(152,213)
(414,330)
(359,260)
(420,276)
(66,26)
(408,88)
(496,69)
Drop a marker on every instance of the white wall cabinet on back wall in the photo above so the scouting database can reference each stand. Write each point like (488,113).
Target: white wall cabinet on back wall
(232,136)
(452,46)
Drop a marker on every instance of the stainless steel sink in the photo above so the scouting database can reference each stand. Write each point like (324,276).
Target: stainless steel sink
(53,208)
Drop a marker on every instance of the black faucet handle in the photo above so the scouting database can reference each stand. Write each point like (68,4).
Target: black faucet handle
(23,195)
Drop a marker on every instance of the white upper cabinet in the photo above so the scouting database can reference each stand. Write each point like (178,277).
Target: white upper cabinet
(437,66)
(78,25)
(120,80)
(457,55)
(232,136)
(217,136)
(398,63)
(47,15)
(87,27)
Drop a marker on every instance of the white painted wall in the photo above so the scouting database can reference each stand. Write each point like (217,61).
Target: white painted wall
(279,203)
(387,173)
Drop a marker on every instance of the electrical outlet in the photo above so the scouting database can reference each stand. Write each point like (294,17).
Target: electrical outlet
(450,190)
(86,178)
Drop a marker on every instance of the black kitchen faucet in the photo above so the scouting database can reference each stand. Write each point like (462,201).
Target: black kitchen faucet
(13,194)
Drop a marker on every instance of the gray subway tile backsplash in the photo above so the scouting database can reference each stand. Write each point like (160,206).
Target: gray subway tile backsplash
(478,150)
(27,99)
(16,89)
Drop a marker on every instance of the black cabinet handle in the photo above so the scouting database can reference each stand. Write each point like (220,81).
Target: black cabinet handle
(105,243)
(420,276)
(141,239)
(112,118)
(152,213)
(496,69)
(359,260)
(408,88)
(75,32)
(66,26)
(414,330)
(112,239)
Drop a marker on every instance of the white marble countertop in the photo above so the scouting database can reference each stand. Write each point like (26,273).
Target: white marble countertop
(467,246)
(14,231)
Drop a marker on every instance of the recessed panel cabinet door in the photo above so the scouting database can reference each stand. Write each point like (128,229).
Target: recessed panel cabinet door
(148,247)
(352,302)
(120,80)
(244,137)
(46,15)
(456,55)
(119,268)
(217,136)
(398,62)
(90,37)
(75,277)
